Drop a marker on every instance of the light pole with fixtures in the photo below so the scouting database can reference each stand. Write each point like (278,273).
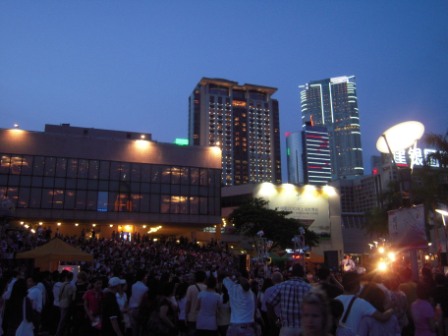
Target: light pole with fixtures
(444,213)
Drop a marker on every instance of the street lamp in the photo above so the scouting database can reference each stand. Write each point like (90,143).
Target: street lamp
(400,137)
(444,213)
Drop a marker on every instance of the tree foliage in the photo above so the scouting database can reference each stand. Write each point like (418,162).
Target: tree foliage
(255,216)
(377,222)
(429,187)
(440,142)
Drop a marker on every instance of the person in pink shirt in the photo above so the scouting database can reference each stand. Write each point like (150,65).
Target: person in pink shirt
(423,313)
(92,305)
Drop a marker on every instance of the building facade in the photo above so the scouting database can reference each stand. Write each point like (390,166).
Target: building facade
(359,196)
(87,176)
(333,103)
(316,155)
(294,158)
(243,120)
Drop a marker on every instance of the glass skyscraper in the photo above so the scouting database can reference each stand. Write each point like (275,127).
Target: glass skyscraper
(333,103)
(308,156)
(294,157)
(243,120)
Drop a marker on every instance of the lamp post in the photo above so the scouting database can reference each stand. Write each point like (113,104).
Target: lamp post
(400,137)
(444,213)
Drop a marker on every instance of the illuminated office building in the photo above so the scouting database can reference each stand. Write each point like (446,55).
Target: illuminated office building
(243,120)
(316,155)
(308,156)
(333,103)
(108,179)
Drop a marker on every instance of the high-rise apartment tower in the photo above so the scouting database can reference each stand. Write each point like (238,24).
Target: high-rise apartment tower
(243,120)
(333,103)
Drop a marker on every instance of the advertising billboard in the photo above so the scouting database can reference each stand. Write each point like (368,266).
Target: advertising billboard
(309,207)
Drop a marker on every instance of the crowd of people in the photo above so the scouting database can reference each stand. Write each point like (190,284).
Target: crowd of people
(174,287)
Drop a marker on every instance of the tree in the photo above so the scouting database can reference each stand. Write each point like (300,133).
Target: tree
(440,142)
(377,222)
(255,216)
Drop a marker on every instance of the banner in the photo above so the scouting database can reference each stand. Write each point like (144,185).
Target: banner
(407,227)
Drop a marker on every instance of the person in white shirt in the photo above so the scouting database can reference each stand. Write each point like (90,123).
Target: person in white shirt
(192,300)
(242,307)
(7,293)
(208,303)
(123,302)
(56,311)
(138,289)
(35,296)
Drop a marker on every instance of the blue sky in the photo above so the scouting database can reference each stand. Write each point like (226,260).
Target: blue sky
(131,65)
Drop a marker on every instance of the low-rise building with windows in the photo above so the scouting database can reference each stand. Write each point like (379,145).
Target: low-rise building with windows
(85,178)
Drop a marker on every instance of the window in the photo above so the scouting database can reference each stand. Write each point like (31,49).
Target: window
(94,169)
(156,175)
(48,182)
(47,198)
(5,162)
(35,199)
(25,181)
(59,183)
(38,165)
(175,175)
(15,165)
(69,201)
(165,204)
(104,170)
(83,168)
(115,171)
(50,166)
(72,168)
(61,167)
(203,205)
(81,199)
(58,199)
(194,205)
(144,203)
(135,172)
(154,205)
(24,195)
(166,174)
(194,175)
(92,197)
(145,173)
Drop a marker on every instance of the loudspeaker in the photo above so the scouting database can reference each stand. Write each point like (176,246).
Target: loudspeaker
(331,260)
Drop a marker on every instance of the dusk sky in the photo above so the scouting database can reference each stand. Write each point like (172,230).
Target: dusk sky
(131,65)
